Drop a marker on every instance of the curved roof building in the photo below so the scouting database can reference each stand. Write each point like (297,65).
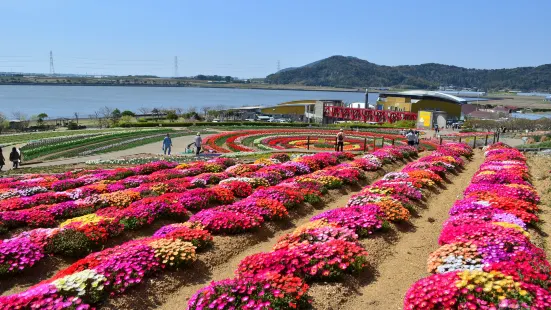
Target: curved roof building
(425,94)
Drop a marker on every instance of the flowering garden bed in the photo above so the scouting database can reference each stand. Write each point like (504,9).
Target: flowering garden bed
(279,186)
(327,247)
(486,259)
(281,139)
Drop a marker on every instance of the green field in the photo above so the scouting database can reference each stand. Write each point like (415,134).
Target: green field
(104,143)
(20,138)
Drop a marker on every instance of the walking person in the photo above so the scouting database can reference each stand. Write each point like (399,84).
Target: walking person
(2,160)
(198,141)
(167,144)
(416,140)
(410,136)
(340,140)
(15,158)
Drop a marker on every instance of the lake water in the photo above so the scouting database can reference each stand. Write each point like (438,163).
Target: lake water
(530,116)
(534,94)
(63,101)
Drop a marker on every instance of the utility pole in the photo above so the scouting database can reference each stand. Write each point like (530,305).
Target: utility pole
(175,66)
(52,70)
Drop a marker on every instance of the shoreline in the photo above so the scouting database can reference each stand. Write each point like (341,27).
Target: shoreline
(231,86)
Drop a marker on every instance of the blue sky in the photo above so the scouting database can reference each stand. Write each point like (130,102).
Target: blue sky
(247,38)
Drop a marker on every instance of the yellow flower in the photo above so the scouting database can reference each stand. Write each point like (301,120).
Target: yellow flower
(85,219)
(513,226)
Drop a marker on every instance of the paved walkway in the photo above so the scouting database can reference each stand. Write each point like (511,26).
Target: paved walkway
(178,147)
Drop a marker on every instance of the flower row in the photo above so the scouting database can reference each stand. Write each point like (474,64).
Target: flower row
(19,194)
(36,212)
(325,248)
(486,259)
(111,271)
(28,185)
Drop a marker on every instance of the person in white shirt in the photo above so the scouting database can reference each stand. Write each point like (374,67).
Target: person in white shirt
(410,136)
(198,142)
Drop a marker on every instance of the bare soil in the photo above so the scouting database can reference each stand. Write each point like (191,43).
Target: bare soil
(540,167)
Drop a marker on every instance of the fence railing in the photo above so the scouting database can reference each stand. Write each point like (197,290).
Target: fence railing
(310,141)
(476,139)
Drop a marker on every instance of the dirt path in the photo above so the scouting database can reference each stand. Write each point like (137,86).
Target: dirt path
(395,266)
(541,178)
(172,290)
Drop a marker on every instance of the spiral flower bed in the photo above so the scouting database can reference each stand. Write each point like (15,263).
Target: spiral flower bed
(486,259)
(282,139)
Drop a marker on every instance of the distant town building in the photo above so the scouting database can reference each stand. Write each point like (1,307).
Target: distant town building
(421,100)
(15,124)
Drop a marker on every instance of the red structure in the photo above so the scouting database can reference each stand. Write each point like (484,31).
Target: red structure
(367,115)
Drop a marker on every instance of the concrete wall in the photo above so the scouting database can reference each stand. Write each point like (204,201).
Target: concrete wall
(318,112)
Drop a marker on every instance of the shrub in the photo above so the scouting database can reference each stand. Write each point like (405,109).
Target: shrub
(70,242)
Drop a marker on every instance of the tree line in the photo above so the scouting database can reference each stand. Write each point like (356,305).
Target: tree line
(340,71)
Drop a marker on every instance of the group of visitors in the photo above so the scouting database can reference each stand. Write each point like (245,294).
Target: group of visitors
(453,126)
(15,158)
(413,138)
(167,144)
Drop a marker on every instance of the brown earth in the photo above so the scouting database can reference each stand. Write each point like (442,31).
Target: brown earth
(540,167)
(172,290)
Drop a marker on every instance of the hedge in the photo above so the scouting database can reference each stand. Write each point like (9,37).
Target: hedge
(259,124)
(207,124)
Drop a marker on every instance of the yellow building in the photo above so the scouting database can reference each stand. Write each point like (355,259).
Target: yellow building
(298,107)
(420,100)
(299,110)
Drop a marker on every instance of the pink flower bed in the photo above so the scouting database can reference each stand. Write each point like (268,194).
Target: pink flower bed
(486,259)
(236,217)
(326,247)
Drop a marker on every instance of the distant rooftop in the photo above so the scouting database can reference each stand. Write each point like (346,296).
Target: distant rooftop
(420,94)
(248,108)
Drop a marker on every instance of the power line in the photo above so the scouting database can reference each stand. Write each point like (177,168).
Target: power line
(52,70)
(175,66)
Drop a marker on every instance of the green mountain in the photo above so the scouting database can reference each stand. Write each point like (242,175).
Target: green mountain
(341,71)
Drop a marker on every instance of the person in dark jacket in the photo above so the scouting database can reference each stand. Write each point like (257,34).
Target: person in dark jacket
(167,144)
(2,160)
(15,158)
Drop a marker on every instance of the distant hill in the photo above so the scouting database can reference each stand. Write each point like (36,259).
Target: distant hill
(342,71)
